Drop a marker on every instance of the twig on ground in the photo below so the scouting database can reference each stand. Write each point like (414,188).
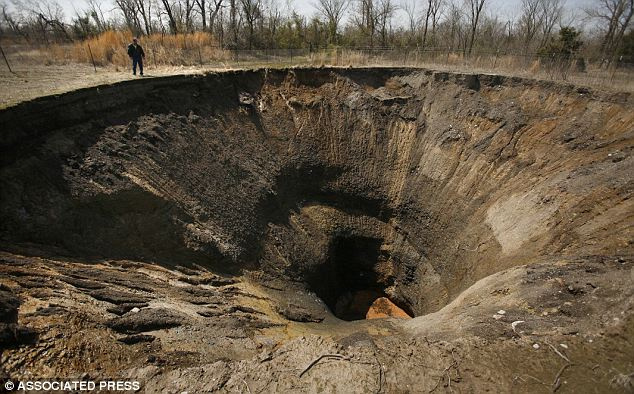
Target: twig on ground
(537,380)
(559,353)
(380,374)
(318,359)
(557,382)
(454,364)
(246,384)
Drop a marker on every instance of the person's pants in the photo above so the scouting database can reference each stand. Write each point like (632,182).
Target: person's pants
(134,64)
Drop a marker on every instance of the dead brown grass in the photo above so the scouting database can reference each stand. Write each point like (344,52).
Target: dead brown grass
(201,50)
(110,48)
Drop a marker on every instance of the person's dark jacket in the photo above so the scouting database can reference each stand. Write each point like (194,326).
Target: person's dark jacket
(136,52)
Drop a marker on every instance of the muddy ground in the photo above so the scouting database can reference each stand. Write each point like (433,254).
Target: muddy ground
(227,232)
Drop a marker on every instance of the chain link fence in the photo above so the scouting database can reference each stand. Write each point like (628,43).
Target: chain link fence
(590,72)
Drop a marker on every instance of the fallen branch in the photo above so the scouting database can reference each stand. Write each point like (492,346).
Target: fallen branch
(559,353)
(557,382)
(323,356)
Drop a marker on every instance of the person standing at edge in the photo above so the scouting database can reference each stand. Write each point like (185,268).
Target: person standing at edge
(135,51)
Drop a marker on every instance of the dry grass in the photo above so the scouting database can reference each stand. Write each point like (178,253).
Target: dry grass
(202,51)
(510,65)
(110,48)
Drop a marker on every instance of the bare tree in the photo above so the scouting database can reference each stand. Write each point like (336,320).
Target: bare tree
(47,15)
(252,11)
(96,13)
(386,10)
(144,8)
(233,23)
(413,19)
(202,10)
(530,20)
(130,14)
(274,20)
(616,17)
(214,8)
(427,17)
(171,16)
(474,10)
(433,12)
(454,34)
(552,11)
(364,19)
(436,7)
(13,24)
(187,12)
(332,11)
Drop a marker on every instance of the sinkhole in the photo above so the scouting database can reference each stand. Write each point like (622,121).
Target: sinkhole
(354,276)
(360,184)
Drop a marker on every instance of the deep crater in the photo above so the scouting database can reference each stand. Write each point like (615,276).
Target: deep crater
(354,184)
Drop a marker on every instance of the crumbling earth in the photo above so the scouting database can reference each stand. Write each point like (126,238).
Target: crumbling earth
(232,232)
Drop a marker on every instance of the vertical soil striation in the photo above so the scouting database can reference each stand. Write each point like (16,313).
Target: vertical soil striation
(497,210)
(406,183)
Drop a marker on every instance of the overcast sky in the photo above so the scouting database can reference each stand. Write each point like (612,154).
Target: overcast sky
(506,9)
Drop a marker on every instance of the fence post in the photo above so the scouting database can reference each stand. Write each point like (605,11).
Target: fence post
(6,61)
(92,58)
(200,58)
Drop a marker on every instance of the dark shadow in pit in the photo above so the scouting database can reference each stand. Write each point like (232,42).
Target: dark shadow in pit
(352,278)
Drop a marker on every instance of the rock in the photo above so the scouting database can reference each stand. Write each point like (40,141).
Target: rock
(246,98)
(82,283)
(147,319)
(383,307)
(118,297)
(210,313)
(50,310)
(297,313)
(125,308)
(244,309)
(211,280)
(9,304)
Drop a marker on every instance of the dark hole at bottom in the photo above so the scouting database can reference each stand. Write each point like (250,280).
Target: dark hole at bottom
(352,279)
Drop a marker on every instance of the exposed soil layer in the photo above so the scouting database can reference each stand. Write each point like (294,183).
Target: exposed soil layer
(241,218)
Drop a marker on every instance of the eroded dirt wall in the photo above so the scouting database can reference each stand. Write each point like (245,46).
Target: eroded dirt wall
(455,176)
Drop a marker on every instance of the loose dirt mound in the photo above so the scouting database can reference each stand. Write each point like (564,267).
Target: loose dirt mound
(497,210)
